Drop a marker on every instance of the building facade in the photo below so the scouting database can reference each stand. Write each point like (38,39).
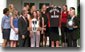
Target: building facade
(19,4)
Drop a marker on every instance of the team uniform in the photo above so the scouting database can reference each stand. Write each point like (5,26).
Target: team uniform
(53,22)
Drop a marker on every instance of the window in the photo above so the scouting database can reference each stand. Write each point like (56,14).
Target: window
(31,4)
(40,5)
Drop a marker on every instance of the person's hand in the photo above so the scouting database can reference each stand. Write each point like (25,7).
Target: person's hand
(75,26)
(39,29)
(29,28)
(30,35)
(16,31)
(44,26)
(42,32)
(20,16)
(68,26)
(47,7)
(23,37)
(59,6)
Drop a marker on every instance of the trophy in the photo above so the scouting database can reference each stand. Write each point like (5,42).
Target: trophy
(70,24)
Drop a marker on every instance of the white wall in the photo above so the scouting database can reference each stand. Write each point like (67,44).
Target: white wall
(17,4)
(2,6)
(20,3)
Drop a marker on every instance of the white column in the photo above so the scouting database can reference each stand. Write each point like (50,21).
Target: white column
(2,6)
(72,3)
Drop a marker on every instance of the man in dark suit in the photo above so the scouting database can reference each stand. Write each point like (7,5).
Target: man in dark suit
(23,24)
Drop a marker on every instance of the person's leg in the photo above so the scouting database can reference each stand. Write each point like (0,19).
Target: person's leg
(37,38)
(5,42)
(21,42)
(62,32)
(52,37)
(26,44)
(11,43)
(29,42)
(41,40)
(45,39)
(6,33)
(57,43)
(33,39)
(52,43)
(14,44)
(74,38)
(49,37)
(74,43)
(69,40)
(57,36)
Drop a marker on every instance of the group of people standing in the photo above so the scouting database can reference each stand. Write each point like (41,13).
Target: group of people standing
(32,27)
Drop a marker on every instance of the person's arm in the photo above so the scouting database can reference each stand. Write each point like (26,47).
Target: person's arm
(59,8)
(67,21)
(28,17)
(30,25)
(39,28)
(60,19)
(30,22)
(76,23)
(42,25)
(12,25)
(20,26)
(46,21)
(42,22)
(2,23)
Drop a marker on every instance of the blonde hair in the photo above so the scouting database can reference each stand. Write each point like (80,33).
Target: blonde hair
(32,8)
(11,10)
(73,11)
(14,11)
(10,5)
(42,7)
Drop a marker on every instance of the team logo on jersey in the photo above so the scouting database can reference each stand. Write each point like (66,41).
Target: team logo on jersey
(54,13)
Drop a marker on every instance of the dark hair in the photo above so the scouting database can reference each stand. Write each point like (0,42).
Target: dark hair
(26,5)
(72,8)
(66,7)
(33,16)
(5,10)
(39,12)
(53,4)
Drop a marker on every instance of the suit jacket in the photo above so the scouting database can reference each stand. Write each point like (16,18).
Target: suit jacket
(22,25)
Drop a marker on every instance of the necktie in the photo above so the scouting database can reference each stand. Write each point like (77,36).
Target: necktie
(25,20)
